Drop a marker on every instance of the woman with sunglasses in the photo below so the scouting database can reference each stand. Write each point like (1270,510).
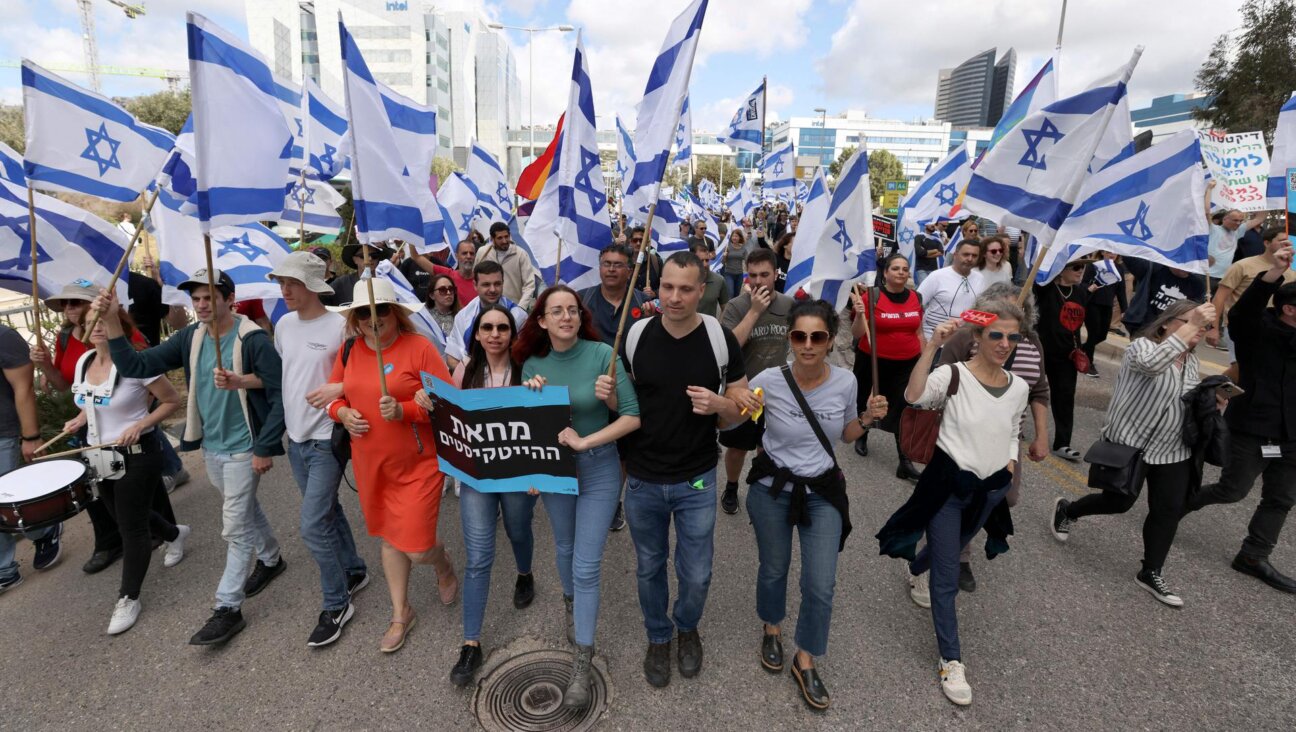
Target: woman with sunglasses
(899,341)
(795,483)
(1062,307)
(1146,412)
(993,263)
(963,487)
(393,448)
(562,348)
(489,365)
(443,301)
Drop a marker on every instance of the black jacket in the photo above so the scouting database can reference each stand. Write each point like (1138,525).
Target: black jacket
(1266,354)
(1204,429)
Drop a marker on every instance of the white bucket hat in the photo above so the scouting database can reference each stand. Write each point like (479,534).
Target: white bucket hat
(384,294)
(306,267)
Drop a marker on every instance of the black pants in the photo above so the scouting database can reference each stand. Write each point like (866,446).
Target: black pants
(1061,374)
(1167,494)
(1097,324)
(1277,492)
(129,501)
(106,535)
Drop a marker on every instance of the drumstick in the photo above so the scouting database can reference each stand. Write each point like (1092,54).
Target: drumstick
(53,440)
(73,452)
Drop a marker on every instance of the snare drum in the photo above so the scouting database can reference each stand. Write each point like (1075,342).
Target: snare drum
(42,494)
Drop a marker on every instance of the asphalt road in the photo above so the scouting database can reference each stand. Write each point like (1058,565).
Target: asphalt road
(1056,637)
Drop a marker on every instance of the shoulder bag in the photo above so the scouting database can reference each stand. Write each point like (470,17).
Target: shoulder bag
(340,439)
(920,427)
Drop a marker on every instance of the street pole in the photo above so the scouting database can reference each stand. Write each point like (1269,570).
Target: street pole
(531,89)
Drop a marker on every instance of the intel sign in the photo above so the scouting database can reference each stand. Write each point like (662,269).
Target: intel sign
(397,5)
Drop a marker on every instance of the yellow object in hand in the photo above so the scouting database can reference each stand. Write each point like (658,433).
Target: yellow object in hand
(760,394)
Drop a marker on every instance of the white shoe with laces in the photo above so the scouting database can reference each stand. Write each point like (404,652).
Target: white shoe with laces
(954,682)
(918,590)
(175,550)
(124,616)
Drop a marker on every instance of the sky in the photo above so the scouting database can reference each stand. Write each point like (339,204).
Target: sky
(871,55)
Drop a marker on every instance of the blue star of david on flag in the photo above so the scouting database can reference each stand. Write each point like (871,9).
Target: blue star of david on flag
(241,246)
(947,194)
(502,193)
(583,182)
(327,158)
(92,153)
(304,195)
(467,220)
(841,237)
(18,224)
(778,167)
(301,132)
(1034,157)
(906,236)
(1137,227)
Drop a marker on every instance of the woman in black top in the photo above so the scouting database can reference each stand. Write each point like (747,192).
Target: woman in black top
(1098,313)
(783,253)
(1061,306)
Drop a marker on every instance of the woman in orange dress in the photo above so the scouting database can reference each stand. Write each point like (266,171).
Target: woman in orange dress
(393,447)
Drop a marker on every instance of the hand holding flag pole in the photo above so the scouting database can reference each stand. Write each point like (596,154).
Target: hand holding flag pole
(121,266)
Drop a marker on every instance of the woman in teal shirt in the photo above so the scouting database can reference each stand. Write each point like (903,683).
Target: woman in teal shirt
(559,346)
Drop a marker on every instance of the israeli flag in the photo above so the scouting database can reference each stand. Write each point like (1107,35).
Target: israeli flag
(392,199)
(658,115)
(1147,206)
(845,252)
(708,196)
(802,192)
(290,97)
(741,200)
(573,206)
(1282,157)
(79,141)
(665,228)
(11,166)
(242,142)
(933,196)
(421,318)
(697,212)
(315,204)
(747,128)
(806,242)
(177,176)
(625,163)
(494,198)
(684,135)
(1031,179)
(459,201)
(1106,273)
(778,170)
(72,245)
(325,142)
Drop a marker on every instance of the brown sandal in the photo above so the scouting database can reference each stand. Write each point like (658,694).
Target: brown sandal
(392,642)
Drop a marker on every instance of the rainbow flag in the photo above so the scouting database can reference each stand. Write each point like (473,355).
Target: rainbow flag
(532,180)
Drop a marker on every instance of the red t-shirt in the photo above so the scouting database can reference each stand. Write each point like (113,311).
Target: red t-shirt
(897,327)
(251,309)
(66,356)
(467,291)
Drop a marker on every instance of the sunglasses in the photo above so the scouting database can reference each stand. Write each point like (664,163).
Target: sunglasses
(382,310)
(495,327)
(1075,267)
(998,335)
(994,251)
(817,338)
(444,290)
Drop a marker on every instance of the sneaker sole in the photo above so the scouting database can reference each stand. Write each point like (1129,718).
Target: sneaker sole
(363,584)
(110,630)
(346,617)
(223,639)
(959,701)
(805,694)
(11,585)
(1061,536)
(924,603)
(1159,597)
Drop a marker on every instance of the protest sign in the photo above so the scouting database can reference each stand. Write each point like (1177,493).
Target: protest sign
(503,440)
(1239,163)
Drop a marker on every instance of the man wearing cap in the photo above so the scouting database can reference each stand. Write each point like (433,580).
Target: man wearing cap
(488,277)
(235,415)
(519,273)
(308,338)
(344,285)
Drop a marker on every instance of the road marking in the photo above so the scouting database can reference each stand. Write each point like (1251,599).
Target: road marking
(1068,482)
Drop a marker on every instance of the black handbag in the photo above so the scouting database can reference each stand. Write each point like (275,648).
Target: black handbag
(1116,467)
(340,439)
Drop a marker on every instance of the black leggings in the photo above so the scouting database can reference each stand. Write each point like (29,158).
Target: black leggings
(1167,492)
(106,535)
(1061,372)
(1097,324)
(129,500)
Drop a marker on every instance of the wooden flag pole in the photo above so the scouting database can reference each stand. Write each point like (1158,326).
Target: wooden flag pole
(35,261)
(211,289)
(1030,278)
(121,266)
(875,299)
(629,296)
(374,322)
(558,263)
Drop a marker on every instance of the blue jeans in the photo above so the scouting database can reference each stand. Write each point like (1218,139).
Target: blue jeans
(580,526)
(170,458)
(324,526)
(819,543)
(945,540)
(649,508)
(478,514)
(735,283)
(244,526)
(10,460)
(919,275)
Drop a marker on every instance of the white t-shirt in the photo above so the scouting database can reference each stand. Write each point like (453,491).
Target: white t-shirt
(1222,245)
(457,343)
(117,406)
(946,294)
(308,349)
(979,431)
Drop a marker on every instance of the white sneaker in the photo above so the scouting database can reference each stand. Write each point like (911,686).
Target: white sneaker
(954,684)
(124,616)
(918,591)
(175,550)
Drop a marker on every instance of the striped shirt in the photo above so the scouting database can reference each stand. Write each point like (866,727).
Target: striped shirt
(1145,409)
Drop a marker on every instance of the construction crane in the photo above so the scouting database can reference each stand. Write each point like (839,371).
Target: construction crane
(88,33)
(172,77)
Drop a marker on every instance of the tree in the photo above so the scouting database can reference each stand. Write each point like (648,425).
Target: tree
(709,167)
(834,168)
(167,109)
(1247,90)
(11,128)
(443,167)
(883,166)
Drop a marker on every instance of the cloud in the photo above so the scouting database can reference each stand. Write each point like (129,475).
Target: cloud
(715,116)
(880,59)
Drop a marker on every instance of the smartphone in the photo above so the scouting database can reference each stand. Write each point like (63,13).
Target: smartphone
(1228,391)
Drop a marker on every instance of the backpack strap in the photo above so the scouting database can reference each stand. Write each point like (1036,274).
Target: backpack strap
(715,333)
(632,341)
(346,350)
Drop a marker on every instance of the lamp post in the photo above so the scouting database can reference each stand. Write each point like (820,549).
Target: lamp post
(531,69)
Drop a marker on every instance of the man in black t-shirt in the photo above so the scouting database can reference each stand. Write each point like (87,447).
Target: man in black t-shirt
(671,459)
(928,247)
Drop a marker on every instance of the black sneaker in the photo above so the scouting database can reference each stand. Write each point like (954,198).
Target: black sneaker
(261,576)
(470,659)
(1152,581)
(618,518)
(50,549)
(966,581)
(523,591)
(225,623)
(689,653)
(102,559)
(355,582)
(10,583)
(1060,524)
(657,664)
(1092,372)
(729,500)
(330,626)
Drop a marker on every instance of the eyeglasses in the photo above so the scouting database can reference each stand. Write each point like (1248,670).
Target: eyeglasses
(998,335)
(816,338)
(613,265)
(444,290)
(495,327)
(994,251)
(382,310)
(556,313)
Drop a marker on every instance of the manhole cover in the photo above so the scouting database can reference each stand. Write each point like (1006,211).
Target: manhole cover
(525,693)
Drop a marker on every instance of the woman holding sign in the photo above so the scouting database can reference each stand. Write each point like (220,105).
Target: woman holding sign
(393,448)
(562,348)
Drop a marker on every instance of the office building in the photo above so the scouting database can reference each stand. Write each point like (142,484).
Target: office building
(820,140)
(1167,115)
(976,92)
